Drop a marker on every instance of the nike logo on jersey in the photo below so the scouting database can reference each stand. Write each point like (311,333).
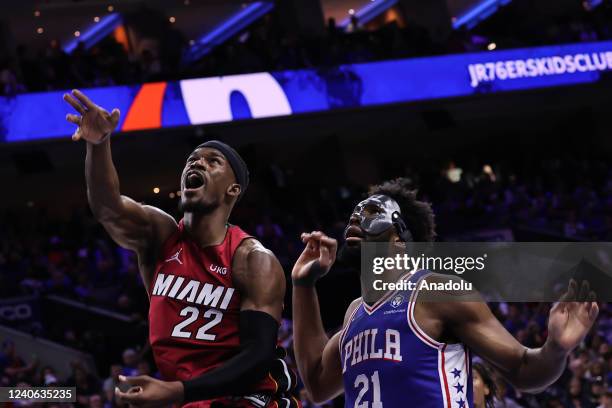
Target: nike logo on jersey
(193,291)
(175,257)
(369,345)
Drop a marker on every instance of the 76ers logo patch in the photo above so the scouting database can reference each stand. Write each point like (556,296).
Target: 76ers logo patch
(396,301)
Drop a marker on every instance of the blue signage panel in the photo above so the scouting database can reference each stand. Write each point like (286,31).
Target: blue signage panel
(28,117)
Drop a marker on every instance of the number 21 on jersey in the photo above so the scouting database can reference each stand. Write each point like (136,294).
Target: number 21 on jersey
(362,382)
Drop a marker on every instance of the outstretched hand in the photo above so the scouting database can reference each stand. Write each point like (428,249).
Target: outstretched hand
(148,392)
(316,259)
(94,123)
(572,317)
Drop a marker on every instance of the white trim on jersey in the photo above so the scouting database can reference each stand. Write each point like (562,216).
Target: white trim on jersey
(345,329)
(377,305)
(287,375)
(454,377)
(412,323)
(452,359)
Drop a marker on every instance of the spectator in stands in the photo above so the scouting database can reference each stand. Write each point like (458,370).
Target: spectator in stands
(577,398)
(130,362)
(48,377)
(606,399)
(96,401)
(16,368)
(266,47)
(111,382)
(485,391)
(597,389)
(9,86)
(85,382)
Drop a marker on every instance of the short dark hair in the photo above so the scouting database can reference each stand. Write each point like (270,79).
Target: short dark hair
(418,215)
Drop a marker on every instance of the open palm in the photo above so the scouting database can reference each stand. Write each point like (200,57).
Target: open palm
(94,122)
(571,319)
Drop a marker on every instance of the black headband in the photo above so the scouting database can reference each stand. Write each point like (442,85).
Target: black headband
(241,172)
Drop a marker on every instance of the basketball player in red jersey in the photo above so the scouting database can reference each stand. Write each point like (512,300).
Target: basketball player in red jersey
(216,294)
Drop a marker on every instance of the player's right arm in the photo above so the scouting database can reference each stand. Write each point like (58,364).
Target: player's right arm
(133,226)
(317,356)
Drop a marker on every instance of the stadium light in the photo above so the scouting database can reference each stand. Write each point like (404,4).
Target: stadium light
(94,33)
(240,20)
(368,12)
(479,12)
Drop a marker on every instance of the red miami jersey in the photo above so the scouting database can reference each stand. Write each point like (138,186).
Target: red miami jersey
(195,307)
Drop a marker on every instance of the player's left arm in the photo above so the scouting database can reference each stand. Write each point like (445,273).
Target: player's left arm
(528,369)
(259,278)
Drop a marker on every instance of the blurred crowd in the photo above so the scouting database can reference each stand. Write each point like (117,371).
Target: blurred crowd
(75,259)
(72,257)
(567,200)
(266,46)
(584,384)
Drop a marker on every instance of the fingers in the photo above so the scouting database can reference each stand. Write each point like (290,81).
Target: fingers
(570,295)
(592,297)
(131,396)
(83,99)
(74,103)
(584,291)
(115,114)
(330,243)
(135,380)
(592,306)
(324,259)
(311,241)
(319,237)
(134,394)
(593,311)
(75,119)
(72,118)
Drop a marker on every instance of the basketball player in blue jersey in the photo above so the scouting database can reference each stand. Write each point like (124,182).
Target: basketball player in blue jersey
(401,351)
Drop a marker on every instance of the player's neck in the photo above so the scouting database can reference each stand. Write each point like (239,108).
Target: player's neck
(206,229)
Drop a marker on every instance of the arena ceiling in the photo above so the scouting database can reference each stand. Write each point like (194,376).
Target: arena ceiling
(60,19)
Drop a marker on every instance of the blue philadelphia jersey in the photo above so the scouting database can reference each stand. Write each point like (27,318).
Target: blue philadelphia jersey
(389,362)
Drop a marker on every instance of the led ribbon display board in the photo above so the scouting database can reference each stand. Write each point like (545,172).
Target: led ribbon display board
(200,101)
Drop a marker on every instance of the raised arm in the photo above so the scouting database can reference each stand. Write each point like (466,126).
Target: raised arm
(530,370)
(260,279)
(317,356)
(132,225)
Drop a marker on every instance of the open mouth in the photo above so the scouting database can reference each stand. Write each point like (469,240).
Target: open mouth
(193,180)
